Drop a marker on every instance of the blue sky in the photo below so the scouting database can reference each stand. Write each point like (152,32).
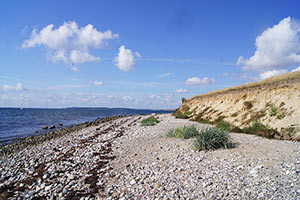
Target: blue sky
(140,54)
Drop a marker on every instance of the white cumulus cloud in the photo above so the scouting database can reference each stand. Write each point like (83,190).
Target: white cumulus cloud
(97,83)
(296,69)
(69,43)
(180,91)
(277,48)
(198,81)
(18,87)
(77,56)
(126,59)
(271,73)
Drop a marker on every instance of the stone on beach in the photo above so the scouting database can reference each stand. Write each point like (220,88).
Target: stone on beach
(52,127)
(44,127)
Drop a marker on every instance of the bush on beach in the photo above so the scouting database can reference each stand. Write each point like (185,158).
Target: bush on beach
(150,121)
(185,132)
(213,138)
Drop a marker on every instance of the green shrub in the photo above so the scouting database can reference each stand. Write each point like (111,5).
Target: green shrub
(188,113)
(256,127)
(273,111)
(223,125)
(150,121)
(181,116)
(179,133)
(281,115)
(213,138)
(203,121)
(183,113)
(185,132)
(190,131)
(171,133)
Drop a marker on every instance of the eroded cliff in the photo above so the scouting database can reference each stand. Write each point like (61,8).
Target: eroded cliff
(270,107)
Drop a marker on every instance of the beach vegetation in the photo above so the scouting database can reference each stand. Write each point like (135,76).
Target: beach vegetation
(223,125)
(213,138)
(203,121)
(181,115)
(273,111)
(281,114)
(150,121)
(255,127)
(190,131)
(185,132)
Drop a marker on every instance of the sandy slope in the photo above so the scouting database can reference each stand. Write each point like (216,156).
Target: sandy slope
(274,102)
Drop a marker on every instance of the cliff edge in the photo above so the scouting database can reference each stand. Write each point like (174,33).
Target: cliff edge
(270,107)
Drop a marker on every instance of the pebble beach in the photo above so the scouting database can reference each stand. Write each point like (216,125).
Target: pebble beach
(120,159)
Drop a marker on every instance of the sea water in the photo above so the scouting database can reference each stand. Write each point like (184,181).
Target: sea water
(16,123)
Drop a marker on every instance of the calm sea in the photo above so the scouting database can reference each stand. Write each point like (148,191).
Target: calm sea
(16,123)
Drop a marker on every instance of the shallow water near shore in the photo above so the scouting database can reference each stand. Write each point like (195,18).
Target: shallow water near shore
(16,123)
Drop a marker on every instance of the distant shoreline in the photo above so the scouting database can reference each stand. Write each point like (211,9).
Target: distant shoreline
(21,107)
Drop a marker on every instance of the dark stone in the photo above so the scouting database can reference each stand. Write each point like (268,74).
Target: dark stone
(36,131)
(45,127)
(60,124)
(52,127)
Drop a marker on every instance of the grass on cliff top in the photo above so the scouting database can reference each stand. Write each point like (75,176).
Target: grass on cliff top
(185,132)
(269,81)
(213,138)
(150,121)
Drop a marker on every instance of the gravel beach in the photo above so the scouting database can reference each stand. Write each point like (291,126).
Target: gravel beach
(119,159)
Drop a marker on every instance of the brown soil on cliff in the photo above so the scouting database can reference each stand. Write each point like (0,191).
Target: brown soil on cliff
(270,107)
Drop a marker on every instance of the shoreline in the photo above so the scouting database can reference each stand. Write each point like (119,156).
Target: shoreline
(33,164)
(120,159)
(20,143)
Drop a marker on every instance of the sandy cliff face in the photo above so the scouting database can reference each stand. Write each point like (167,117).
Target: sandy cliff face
(274,103)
